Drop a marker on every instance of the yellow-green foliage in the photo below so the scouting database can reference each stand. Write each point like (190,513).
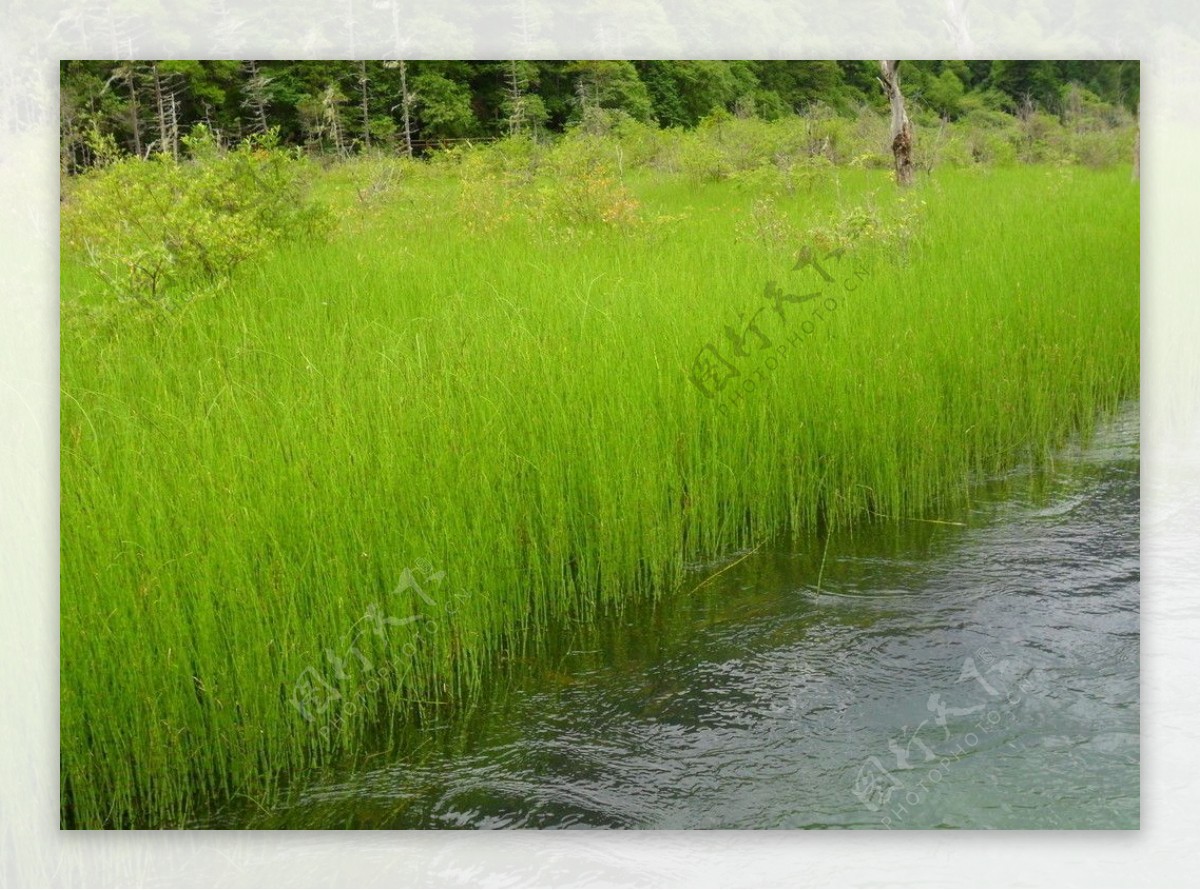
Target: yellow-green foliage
(152,229)
(577,183)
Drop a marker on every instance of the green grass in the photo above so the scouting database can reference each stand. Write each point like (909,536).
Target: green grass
(243,481)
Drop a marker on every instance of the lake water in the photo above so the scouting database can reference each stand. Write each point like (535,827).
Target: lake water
(976,670)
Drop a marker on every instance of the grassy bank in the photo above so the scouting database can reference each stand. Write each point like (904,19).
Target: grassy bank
(347,481)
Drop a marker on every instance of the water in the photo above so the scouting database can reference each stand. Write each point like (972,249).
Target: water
(982,674)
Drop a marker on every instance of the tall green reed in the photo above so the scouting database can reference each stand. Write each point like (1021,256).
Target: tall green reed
(246,485)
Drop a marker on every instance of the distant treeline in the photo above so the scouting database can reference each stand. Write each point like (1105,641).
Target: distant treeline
(348,106)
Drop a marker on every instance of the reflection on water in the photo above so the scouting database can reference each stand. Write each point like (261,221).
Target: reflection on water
(978,671)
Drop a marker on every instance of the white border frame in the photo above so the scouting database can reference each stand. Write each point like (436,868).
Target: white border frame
(32,849)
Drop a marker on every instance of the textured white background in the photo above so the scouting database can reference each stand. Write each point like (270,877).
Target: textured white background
(33,37)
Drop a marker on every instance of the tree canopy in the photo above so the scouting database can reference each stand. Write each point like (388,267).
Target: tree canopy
(344,106)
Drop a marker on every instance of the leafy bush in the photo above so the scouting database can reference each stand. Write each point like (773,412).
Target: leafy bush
(486,198)
(1041,139)
(595,198)
(151,228)
(702,161)
(992,146)
(788,176)
(768,225)
(645,145)
(894,230)
(828,132)
(949,146)
(585,184)
(576,183)
(1098,149)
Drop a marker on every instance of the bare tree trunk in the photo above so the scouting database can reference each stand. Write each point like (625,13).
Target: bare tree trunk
(173,129)
(1137,148)
(516,98)
(406,104)
(256,93)
(330,101)
(902,137)
(168,112)
(399,46)
(134,112)
(366,112)
(162,111)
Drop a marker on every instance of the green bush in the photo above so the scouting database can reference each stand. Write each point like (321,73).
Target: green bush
(585,184)
(952,149)
(828,133)
(1042,139)
(702,161)
(1098,149)
(157,228)
(646,145)
(576,183)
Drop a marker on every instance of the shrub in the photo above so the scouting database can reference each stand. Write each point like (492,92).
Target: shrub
(768,225)
(787,175)
(150,228)
(828,132)
(701,161)
(1042,139)
(575,183)
(894,230)
(585,184)
(1098,150)
(644,145)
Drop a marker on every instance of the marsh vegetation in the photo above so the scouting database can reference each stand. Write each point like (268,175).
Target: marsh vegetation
(340,439)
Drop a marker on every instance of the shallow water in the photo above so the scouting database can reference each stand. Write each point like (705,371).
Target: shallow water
(979,670)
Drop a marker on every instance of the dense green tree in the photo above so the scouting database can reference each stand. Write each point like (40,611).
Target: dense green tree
(443,106)
(614,85)
(146,106)
(799,84)
(663,87)
(1027,83)
(944,94)
(862,81)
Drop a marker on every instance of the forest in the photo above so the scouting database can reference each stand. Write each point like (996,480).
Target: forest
(337,107)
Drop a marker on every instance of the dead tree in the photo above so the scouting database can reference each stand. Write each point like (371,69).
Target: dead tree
(366,108)
(1137,147)
(127,72)
(399,49)
(331,116)
(256,95)
(168,118)
(902,135)
(516,98)
(163,126)
(406,99)
(406,102)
